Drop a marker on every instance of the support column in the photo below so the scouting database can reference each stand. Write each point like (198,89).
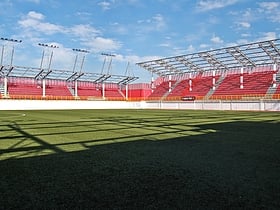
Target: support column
(44,87)
(169,83)
(76,88)
(103,90)
(241,78)
(190,82)
(274,75)
(214,79)
(153,83)
(5,87)
(126,91)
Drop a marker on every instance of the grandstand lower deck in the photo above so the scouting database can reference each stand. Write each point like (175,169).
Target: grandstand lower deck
(232,85)
(258,83)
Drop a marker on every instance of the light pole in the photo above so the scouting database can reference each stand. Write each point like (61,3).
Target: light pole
(43,54)
(110,61)
(40,74)
(81,60)
(83,52)
(11,61)
(110,56)
(13,49)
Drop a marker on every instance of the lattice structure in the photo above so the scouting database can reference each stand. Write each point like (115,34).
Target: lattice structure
(56,74)
(242,56)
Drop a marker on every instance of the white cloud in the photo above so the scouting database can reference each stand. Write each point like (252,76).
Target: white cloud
(190,49)
(99,44)
(271,10)
(156,23)
(244,19)
(269,5)
(240,42)
(128,58)
(268,36)
(159,22)
(206,5)
(164,45)
(245,35)
(204,46)
(84,30)
(138,59)
(105,5)
(244,25)
(119,28)
(132,59)
(63,57)
(248,14)
(276,17)
(35,25)
(34,21)
(216,40)
(191,37)
(34,1)
(35,15)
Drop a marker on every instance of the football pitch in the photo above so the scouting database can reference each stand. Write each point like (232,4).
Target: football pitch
(139,159)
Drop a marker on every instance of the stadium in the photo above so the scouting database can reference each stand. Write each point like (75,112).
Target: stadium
(217,79)
(202,134)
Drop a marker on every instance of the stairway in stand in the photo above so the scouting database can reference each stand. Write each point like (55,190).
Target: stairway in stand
(2,91)
(212,90)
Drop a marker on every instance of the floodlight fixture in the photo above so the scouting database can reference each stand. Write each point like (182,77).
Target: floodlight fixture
(108,54)
(80,50)
(48,45)
(12,52)
(10,40)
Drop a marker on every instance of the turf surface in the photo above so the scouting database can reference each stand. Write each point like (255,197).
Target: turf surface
(139,159)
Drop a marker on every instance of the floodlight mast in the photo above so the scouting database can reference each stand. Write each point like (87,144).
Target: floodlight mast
(80,51)
(42,74)
(13,49)
(110,61)
(81,61)
(11,62)
(43,54)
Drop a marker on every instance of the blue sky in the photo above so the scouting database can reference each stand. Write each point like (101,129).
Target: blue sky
(133,30)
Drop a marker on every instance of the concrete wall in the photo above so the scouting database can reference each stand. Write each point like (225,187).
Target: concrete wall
(67,104)
(272,105)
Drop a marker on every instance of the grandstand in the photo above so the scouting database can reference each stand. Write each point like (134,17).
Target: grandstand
(35,83)
(237,72)
(249,71)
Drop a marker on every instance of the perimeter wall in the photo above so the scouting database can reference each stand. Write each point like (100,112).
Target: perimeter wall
(258,105)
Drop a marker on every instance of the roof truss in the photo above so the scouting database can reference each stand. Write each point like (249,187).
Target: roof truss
(247,55)
(56,74)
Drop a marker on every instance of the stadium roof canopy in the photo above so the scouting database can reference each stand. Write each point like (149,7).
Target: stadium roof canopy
(66,75)
(246,56)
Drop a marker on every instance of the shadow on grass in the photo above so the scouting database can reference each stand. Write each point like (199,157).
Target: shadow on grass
(236,167)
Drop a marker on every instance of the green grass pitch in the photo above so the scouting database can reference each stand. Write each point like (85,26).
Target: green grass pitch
(139,159)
